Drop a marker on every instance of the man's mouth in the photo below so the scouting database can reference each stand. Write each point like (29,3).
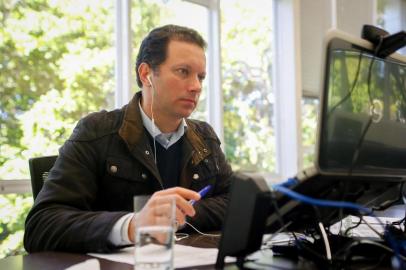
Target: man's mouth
(189,100)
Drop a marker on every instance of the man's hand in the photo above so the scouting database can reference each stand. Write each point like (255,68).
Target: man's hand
(157,205)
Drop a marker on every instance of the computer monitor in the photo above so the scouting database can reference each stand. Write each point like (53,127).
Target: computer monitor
(361,146)
(363,122)
(360,157)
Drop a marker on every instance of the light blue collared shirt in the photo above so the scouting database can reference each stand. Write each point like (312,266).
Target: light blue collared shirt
(164,139)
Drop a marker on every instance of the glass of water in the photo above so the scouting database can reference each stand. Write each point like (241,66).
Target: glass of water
(154,233)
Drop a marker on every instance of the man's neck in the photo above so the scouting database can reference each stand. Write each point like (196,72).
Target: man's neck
(166,124)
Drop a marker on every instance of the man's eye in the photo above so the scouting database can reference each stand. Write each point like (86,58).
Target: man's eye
(183,71)
(201,78)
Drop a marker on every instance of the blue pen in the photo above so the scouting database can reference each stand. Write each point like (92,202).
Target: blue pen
(202,193)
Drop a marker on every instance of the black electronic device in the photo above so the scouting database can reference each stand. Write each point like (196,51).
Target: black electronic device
(384,44)
(361,146)
(245,220)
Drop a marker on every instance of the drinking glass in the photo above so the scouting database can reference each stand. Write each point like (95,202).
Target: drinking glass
(154,233)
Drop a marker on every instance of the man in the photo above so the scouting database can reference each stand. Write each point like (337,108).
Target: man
(147,147)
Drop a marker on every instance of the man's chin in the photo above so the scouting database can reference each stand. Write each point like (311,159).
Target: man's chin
(185,114)
(187,111)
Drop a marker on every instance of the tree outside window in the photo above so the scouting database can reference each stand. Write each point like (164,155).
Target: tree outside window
(56,65)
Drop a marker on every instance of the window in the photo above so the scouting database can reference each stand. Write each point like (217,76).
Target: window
(310,107)
(391,16)
(248,115)
(57,65)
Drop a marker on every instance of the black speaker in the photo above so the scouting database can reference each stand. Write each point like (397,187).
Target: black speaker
(244,225)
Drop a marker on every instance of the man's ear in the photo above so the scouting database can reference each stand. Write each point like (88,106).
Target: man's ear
(144,72)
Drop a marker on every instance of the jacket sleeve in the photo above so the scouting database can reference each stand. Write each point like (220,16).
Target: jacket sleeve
(211,211)
(63,217)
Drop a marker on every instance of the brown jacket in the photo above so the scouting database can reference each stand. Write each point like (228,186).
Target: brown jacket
(106,161)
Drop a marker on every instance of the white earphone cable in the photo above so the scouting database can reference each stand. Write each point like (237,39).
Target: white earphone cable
(205,234)
(152,116)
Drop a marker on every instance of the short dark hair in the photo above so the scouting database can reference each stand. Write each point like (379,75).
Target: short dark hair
(154,46)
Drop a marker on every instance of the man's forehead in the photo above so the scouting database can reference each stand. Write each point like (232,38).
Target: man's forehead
(180,45)
(184,51)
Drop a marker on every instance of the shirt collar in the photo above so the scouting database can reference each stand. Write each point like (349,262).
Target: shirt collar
(164,139)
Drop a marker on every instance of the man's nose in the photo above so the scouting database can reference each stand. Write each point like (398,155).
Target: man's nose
(195,84)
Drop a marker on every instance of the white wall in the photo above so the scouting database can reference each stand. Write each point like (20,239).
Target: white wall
(316,18)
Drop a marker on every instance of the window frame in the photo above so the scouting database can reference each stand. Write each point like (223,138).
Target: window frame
(287,88)
(123,67)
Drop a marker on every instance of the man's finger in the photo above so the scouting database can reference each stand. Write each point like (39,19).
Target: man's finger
(180,202)
(187,194)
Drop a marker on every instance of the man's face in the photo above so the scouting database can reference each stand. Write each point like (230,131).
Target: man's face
(178,81)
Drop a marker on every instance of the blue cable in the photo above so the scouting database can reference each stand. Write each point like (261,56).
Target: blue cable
(325,203)
(288,183)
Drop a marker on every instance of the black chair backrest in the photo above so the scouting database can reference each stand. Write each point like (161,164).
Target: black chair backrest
(39,169)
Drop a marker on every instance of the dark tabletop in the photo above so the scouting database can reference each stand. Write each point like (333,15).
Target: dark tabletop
(61,260)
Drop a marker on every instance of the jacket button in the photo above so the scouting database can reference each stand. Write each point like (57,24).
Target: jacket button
(144,176)
(146,152)
(205,150)
(206,161)
(195,176)
(113,169)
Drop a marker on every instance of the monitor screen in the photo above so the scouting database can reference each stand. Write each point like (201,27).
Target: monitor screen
(363,125)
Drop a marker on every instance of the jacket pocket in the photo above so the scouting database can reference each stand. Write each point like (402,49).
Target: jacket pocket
(205,173)
(122,180)
(123,169)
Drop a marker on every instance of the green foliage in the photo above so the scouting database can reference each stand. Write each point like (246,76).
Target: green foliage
(247,120)
(14,209)
(247,87)
(309,129)
(56,65)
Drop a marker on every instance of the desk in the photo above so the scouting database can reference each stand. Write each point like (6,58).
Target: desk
(54,260)
(61,260)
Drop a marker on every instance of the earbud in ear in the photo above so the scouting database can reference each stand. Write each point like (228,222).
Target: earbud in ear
(149,79)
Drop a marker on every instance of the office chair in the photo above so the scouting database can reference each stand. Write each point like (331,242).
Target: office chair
(39,169)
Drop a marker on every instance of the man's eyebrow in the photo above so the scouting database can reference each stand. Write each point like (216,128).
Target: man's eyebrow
(184,65)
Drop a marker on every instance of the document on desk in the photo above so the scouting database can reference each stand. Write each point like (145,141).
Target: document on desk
(184,256)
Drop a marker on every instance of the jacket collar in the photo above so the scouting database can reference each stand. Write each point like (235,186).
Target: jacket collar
(132,132)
